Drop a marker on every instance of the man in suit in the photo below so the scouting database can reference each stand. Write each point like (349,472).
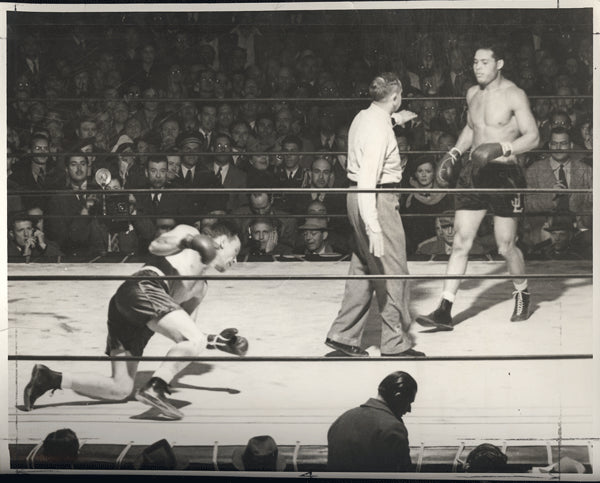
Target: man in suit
(560,170)
(36,171)
(158,202)
(76,236)
(228,175)
(290,173)
(373,437)
(195,174)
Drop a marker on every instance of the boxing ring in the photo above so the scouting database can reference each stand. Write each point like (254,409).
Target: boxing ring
(500,379)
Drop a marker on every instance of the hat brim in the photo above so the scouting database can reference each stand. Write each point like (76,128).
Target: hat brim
(236,459)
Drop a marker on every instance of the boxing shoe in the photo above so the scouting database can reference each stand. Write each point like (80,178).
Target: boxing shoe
(440,318)
(521,311)
(153,394)
(349,350)
(228,341)
(43,379)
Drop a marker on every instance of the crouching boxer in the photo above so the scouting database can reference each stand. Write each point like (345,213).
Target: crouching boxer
(151,305)
(499,126)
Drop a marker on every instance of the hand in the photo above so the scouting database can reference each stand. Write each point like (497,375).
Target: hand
(403,117)
(375,242)
(30,244)
(40,238)
(272,240)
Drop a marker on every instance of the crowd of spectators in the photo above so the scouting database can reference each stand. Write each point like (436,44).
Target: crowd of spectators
(179,100)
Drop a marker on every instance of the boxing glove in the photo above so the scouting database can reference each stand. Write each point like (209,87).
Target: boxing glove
(204,245)
(448,169)
(228,341)
(484,153)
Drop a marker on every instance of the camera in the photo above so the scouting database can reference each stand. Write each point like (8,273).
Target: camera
(117,207)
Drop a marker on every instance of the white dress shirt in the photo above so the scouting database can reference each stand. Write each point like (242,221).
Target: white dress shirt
(373,158)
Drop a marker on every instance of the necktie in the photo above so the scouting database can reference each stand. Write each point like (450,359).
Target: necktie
(188,177)
(563,200)
(219,175)
(41,176)
(155,200)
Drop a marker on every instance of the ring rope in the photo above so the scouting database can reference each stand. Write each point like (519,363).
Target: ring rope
(252,153)
(107,278)
(128,217)
(306,190)
(272,99)
(520,357)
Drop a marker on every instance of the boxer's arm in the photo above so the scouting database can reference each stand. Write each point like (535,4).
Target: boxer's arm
(530,136)
(465,139)
(173,241)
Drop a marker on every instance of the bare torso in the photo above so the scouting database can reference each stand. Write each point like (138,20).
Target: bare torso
(491,114)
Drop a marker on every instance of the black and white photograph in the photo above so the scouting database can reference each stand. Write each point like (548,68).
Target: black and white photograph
(335,240)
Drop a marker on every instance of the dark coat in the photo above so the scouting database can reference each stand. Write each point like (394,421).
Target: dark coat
(368,438)
(15,253)
(75,236)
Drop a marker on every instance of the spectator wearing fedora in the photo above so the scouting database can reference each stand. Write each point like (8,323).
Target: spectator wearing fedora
(565,242)
(159,456)
(315,235)
(260,454)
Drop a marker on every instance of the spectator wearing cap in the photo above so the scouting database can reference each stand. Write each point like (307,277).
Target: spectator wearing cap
(263,242)
(160,456)
(260,454)
(566,242)
(315,233)
(373,437)
(441,243)
(228,174)
(28,243)
(60,449)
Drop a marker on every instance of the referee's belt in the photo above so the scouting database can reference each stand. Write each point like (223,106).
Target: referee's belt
(382,185)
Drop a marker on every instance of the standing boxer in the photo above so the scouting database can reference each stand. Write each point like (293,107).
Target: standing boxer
(374,162)
(499,126)
(140,308)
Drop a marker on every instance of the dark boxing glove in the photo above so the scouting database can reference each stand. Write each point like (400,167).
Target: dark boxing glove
(204,245)
(448,168)
(484,153)
(228,341)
